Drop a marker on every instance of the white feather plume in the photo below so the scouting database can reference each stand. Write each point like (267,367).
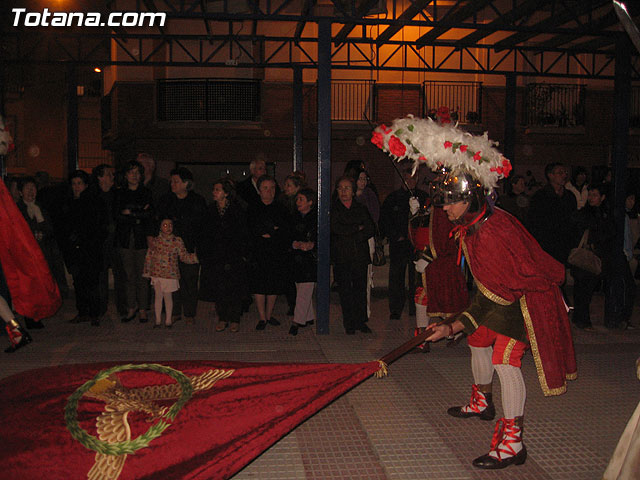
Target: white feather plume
(424,141)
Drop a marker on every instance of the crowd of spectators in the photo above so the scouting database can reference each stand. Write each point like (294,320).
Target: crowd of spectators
(250,242)
(560,214)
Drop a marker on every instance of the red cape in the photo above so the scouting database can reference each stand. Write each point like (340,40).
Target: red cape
(445,287)
(34,293)
(509,265)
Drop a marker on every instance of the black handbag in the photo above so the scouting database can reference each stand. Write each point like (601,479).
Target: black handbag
(378,254)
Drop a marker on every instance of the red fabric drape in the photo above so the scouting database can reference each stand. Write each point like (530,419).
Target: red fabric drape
(217,433)
(34,293)
(445,290)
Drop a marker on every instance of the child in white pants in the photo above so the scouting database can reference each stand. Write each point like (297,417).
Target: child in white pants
(161,265)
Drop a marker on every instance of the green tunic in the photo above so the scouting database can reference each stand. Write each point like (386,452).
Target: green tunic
(504,319)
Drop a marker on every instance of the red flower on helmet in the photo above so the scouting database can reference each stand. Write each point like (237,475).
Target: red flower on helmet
(506,167)
(463,148)
(396,147)
(447,144)
(385,129)
(477,156)
(377,139)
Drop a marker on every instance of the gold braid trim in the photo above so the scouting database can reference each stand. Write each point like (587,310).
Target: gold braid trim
(507,351)
(423,295)
(473,321)
(492,296)
(572,376)
(432,247)
(383,371)
(536,353)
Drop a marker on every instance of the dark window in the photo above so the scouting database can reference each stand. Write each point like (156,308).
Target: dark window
(209,100)
(557,105)
(462,101)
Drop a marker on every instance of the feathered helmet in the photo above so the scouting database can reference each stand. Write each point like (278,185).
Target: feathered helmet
(472,166)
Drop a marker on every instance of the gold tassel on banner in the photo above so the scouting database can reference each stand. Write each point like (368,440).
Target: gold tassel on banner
(382,371)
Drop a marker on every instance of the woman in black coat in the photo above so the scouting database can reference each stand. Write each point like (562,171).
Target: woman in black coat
(134,214)
(595,221)
(222,250)
(85,230)
(351,226)
(305,260)
(269,240)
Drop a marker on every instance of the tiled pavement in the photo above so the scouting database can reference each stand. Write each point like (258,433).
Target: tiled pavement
(391,428)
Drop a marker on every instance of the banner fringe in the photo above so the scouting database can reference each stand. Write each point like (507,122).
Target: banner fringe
(383,371)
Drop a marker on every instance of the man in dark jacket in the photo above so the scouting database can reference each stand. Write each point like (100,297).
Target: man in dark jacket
(394,225)
(351,226)
(103,177)
(550,218)
(186,208)
(86,230)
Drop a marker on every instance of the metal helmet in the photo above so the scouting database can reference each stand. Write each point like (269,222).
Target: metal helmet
(458,186)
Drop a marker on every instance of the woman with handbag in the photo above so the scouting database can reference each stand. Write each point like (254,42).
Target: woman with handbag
(367,197)
(596,230)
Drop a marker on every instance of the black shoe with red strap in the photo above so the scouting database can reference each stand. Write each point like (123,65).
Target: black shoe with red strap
(506,446)
(480,405)
(18,337)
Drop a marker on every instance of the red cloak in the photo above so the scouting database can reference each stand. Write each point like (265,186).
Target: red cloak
(445,291)
(509,265)
(34,293)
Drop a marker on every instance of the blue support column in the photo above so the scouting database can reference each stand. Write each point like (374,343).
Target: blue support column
(510,117)
(72,120)
(324,174)
(297,119)
(621,101)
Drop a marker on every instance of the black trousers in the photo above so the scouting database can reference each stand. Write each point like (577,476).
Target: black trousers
(229,309)
(85,282)
(619,294)
(583,288)
(114,261)
(401,261)
(352,288)
(185,299)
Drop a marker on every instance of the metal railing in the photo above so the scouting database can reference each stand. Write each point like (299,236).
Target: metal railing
(209,100)
(461,101)
(353,100)
(559,105)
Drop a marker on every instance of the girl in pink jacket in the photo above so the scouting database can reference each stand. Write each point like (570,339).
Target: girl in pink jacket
(161,265)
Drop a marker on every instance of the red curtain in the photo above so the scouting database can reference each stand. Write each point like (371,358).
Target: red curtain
(34,293)
(219,430)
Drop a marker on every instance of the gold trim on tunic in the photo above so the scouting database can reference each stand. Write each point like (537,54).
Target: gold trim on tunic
(431,245)
(506,356)
(471,319)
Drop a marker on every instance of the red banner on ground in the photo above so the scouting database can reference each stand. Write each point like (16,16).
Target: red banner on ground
(235,412)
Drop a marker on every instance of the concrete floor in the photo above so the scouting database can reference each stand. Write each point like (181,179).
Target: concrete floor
(391,428)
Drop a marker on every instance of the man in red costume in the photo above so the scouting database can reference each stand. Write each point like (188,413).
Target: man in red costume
(518,306)
(442,291)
